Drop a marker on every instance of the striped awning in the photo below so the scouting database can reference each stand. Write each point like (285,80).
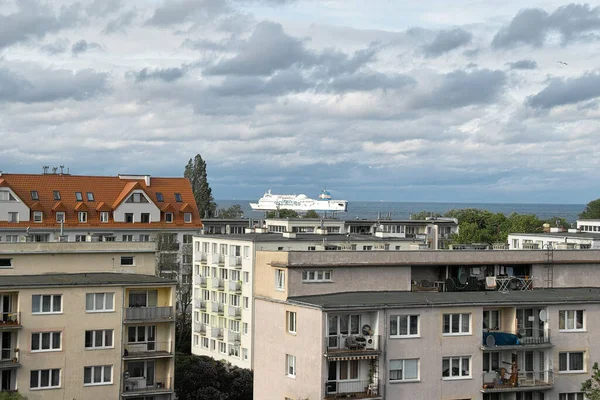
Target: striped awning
(353,357)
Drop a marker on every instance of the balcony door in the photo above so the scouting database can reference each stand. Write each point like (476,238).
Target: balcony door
(340,326)
(143,298)
(341,374)
(529,324)
(5,379)
(5,307)
(142,369)
(143,335)
(5,345)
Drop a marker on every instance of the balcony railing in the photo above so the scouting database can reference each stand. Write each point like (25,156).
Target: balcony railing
(216,258)
(200,328)
(149,314)
(217,308)
(235,262)
(10,319)
(216,332)
(199,303)
(353,343)
(233,337)
(201,256)
(217,283)
(200,280)
(351,389)
(168,246)
(143,385)
(150,349)
(9,358)
(526,380)
(234,312)
(521,337)
(235,286)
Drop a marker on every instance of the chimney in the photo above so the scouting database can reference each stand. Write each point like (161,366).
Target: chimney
(147,179)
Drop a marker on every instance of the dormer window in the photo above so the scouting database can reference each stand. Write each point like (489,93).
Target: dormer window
(137,198)
(178,197)
(38,216)
(78,196)
(90,196)
(159,197)
(56,195)
(82,216)
(169,217)
(187,217)
(5,195)
(104,216)
(34,195)
(60,216)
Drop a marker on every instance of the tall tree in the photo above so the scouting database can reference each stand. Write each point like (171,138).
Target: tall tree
(195,171)
(592,210)
(591,387)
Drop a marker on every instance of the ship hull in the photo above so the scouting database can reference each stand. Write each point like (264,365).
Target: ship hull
(312,205)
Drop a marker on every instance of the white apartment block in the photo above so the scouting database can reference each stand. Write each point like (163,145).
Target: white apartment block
(585,236)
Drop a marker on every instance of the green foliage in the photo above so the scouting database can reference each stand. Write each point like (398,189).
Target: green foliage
(591,211)
(311,214)
(233,212)
(11,396)
(283,213)
(183,333)
(591,387)
(195,171)
(422,215)
(203,378)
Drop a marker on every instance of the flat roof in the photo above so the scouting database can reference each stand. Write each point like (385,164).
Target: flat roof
(578,235)
(401,299)
(306,237)
(76,247)
(82,279)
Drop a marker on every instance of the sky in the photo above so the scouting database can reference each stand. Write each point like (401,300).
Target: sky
(430,100)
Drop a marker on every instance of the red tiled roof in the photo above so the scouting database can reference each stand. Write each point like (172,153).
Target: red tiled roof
(37,206)
(168,208)
(107,191)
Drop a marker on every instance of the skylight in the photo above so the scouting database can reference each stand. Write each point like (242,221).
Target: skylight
(178,197)
(56,194)
(90,196)
(159,197)
(34,195)
(78,196)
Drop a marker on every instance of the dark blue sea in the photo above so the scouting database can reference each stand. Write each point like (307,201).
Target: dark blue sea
(401,210)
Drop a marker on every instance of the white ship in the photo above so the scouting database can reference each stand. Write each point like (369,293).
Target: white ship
(301,202)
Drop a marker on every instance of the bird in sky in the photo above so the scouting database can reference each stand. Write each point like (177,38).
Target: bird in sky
(562,62)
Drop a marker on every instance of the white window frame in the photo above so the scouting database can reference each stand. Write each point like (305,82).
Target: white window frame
(102,332)
(128,265)
(222,347)
(564,318)
(460,364)
(95,308)
(246,301)
(187,218)
(291,322)
(51,372)
(246,277)
(460,317)
(38,216)
(169,218)
(408,325)
(245,328)
(204,342)
(571,396)
(102,375)
(12,214)
(290,366)
(320,275)
(403,369)
(279,279)
(40,341)
(103,216)
(41,303)
(234,300)
(60,216)
(569,370)
(244,354)
(82,216)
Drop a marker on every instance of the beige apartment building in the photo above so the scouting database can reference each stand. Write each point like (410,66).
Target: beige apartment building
(85,321)
(446,325)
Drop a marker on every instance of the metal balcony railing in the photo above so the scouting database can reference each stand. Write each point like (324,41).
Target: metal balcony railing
(520,337)
(9,357)
(200,328)
(234,286)
(234,312)
(147,348)
(500,381)
(217,283)
(235,262)
(199,303)
(233,337)
(149,313)
(141,384)
(216,332)
(200,280)
(201,256)
(216,307)
(351,389)
(216,258)
(10,319)
(353,343)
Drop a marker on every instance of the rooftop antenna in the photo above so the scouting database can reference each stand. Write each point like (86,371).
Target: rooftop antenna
(54,169)
(62,167)
(45,168)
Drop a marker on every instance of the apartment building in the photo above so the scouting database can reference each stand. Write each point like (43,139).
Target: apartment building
(93,335)
(222,315)
(375,330)
(585,236)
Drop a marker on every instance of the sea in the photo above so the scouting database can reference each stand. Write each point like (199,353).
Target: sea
(403,210)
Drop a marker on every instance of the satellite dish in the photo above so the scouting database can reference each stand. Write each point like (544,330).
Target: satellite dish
(366,330)
(462,275)
(543,316)
(490,341)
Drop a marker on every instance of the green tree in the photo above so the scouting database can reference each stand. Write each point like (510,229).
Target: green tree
(311,214)
(233,212)
(591,211)
(195,171)
(283,213)
(591,387)
(11,396)
(422,215)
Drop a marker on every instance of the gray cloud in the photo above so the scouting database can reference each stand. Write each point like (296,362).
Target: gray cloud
(282,82)
(163,74)
(366,81)
(178,11)
(460,89)
(532,26)
(561,92)
(50,85)
(102,8)
(59,46)
(447,40)
(523,64)
(82,46)
(119,23)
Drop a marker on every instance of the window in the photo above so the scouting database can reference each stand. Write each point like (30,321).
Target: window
(187,217)
(80,238)
(12,238)
(570,320)
(456,367)
(44,379)
(245,328)
(234,300)
(491,361)
(246,276)
(169,217)
(404,370)
(279,279)
(46,304)
(291,321)
(570,361)
(312,248)
(34,195)
(45,341)
(290,366)
(246,302)
(457,324)
(234,326)
(137,198)
(78,196)
(178,197)
(244,354)
(97,375)
(60,216)
(5,262)
(570,396)
(491,319)
(38,216)
(95,302)
(316,276)
(127,260)
(145,218)
(204,342)
(234,351)
(222,347)
(188,238)
(13,216)
(159,197)
(246,251)
(56,194)
(144,238)
(127,238)
(82,216)
(141,334)
(99,339)
(143,298)
(404,326)
(129,217)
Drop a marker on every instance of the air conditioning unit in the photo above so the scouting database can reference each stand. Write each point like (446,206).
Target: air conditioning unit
(370,344)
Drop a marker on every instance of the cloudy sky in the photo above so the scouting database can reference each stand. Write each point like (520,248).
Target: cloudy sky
(430,100)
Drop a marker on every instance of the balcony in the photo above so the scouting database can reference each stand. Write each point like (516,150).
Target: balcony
(200,328)
(234,286)
(233,337)
(352,390)
(200,280)
(217,283)
(216,332)
(216,258)
(133,387)
(143,314)
(201,256)
(234,312)
(523,338)
(235,262)
(526,381)
(142,350)
(10,320)
(217,308)
(199,303)
(353,346)
(9,358)
(168,247)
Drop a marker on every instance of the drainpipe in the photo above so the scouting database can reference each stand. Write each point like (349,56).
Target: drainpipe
(384,353)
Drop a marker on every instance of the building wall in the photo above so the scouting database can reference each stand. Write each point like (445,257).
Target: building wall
(14,206)
(264,274)
(274,343)
(567,275)
(137,209)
